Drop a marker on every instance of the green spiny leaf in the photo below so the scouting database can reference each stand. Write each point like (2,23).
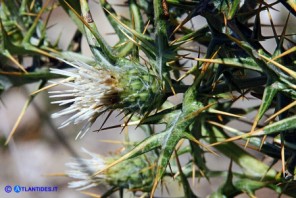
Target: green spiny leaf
(76,6)
(98,45)
(250,165)
(276,127)
(269,93)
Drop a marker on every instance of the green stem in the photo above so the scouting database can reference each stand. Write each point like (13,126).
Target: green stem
(160,20)
(137,23)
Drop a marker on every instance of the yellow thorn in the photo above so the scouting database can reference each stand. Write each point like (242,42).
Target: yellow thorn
(281,111)
(17,63)
(172,88)
(115,142)
(124,157)
(131,39)
(18,120)
(32,5)
(230,129)
(178,146)
(54,175)
(283,157)
(120,44)
(144,195)
(154,187)
(146,27)
(253,128)
(225,113)
(262,142)
(91,194)
(289,51)
(197,112)
(44,88)
(285,69)
(187,73)
(228,140)
(26,105)
(11,73)
(51,86)
(204,146)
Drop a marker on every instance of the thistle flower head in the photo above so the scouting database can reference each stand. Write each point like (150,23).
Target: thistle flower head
(82,169)
(133,174)
(94,90)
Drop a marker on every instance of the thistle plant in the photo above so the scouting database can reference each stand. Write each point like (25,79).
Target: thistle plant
(155,53)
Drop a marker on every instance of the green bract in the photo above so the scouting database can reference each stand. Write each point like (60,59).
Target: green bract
(134,174)
(142,91)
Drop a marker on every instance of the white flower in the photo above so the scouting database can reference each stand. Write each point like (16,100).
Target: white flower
(83,170)
(92,91)
(134,174)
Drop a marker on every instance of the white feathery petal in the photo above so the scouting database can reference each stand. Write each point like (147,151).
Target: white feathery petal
(81,185)
(64,125)
(61,95)
(77,174)
(68,62)
(69,84)
(63,102)
(82,170)
(64,73)
(78,184)
(88,113)
(91,91)
(76,117)
(84,130)
(61,92)
(64,112)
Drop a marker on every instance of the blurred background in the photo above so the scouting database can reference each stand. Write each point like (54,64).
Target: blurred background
(37,154)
